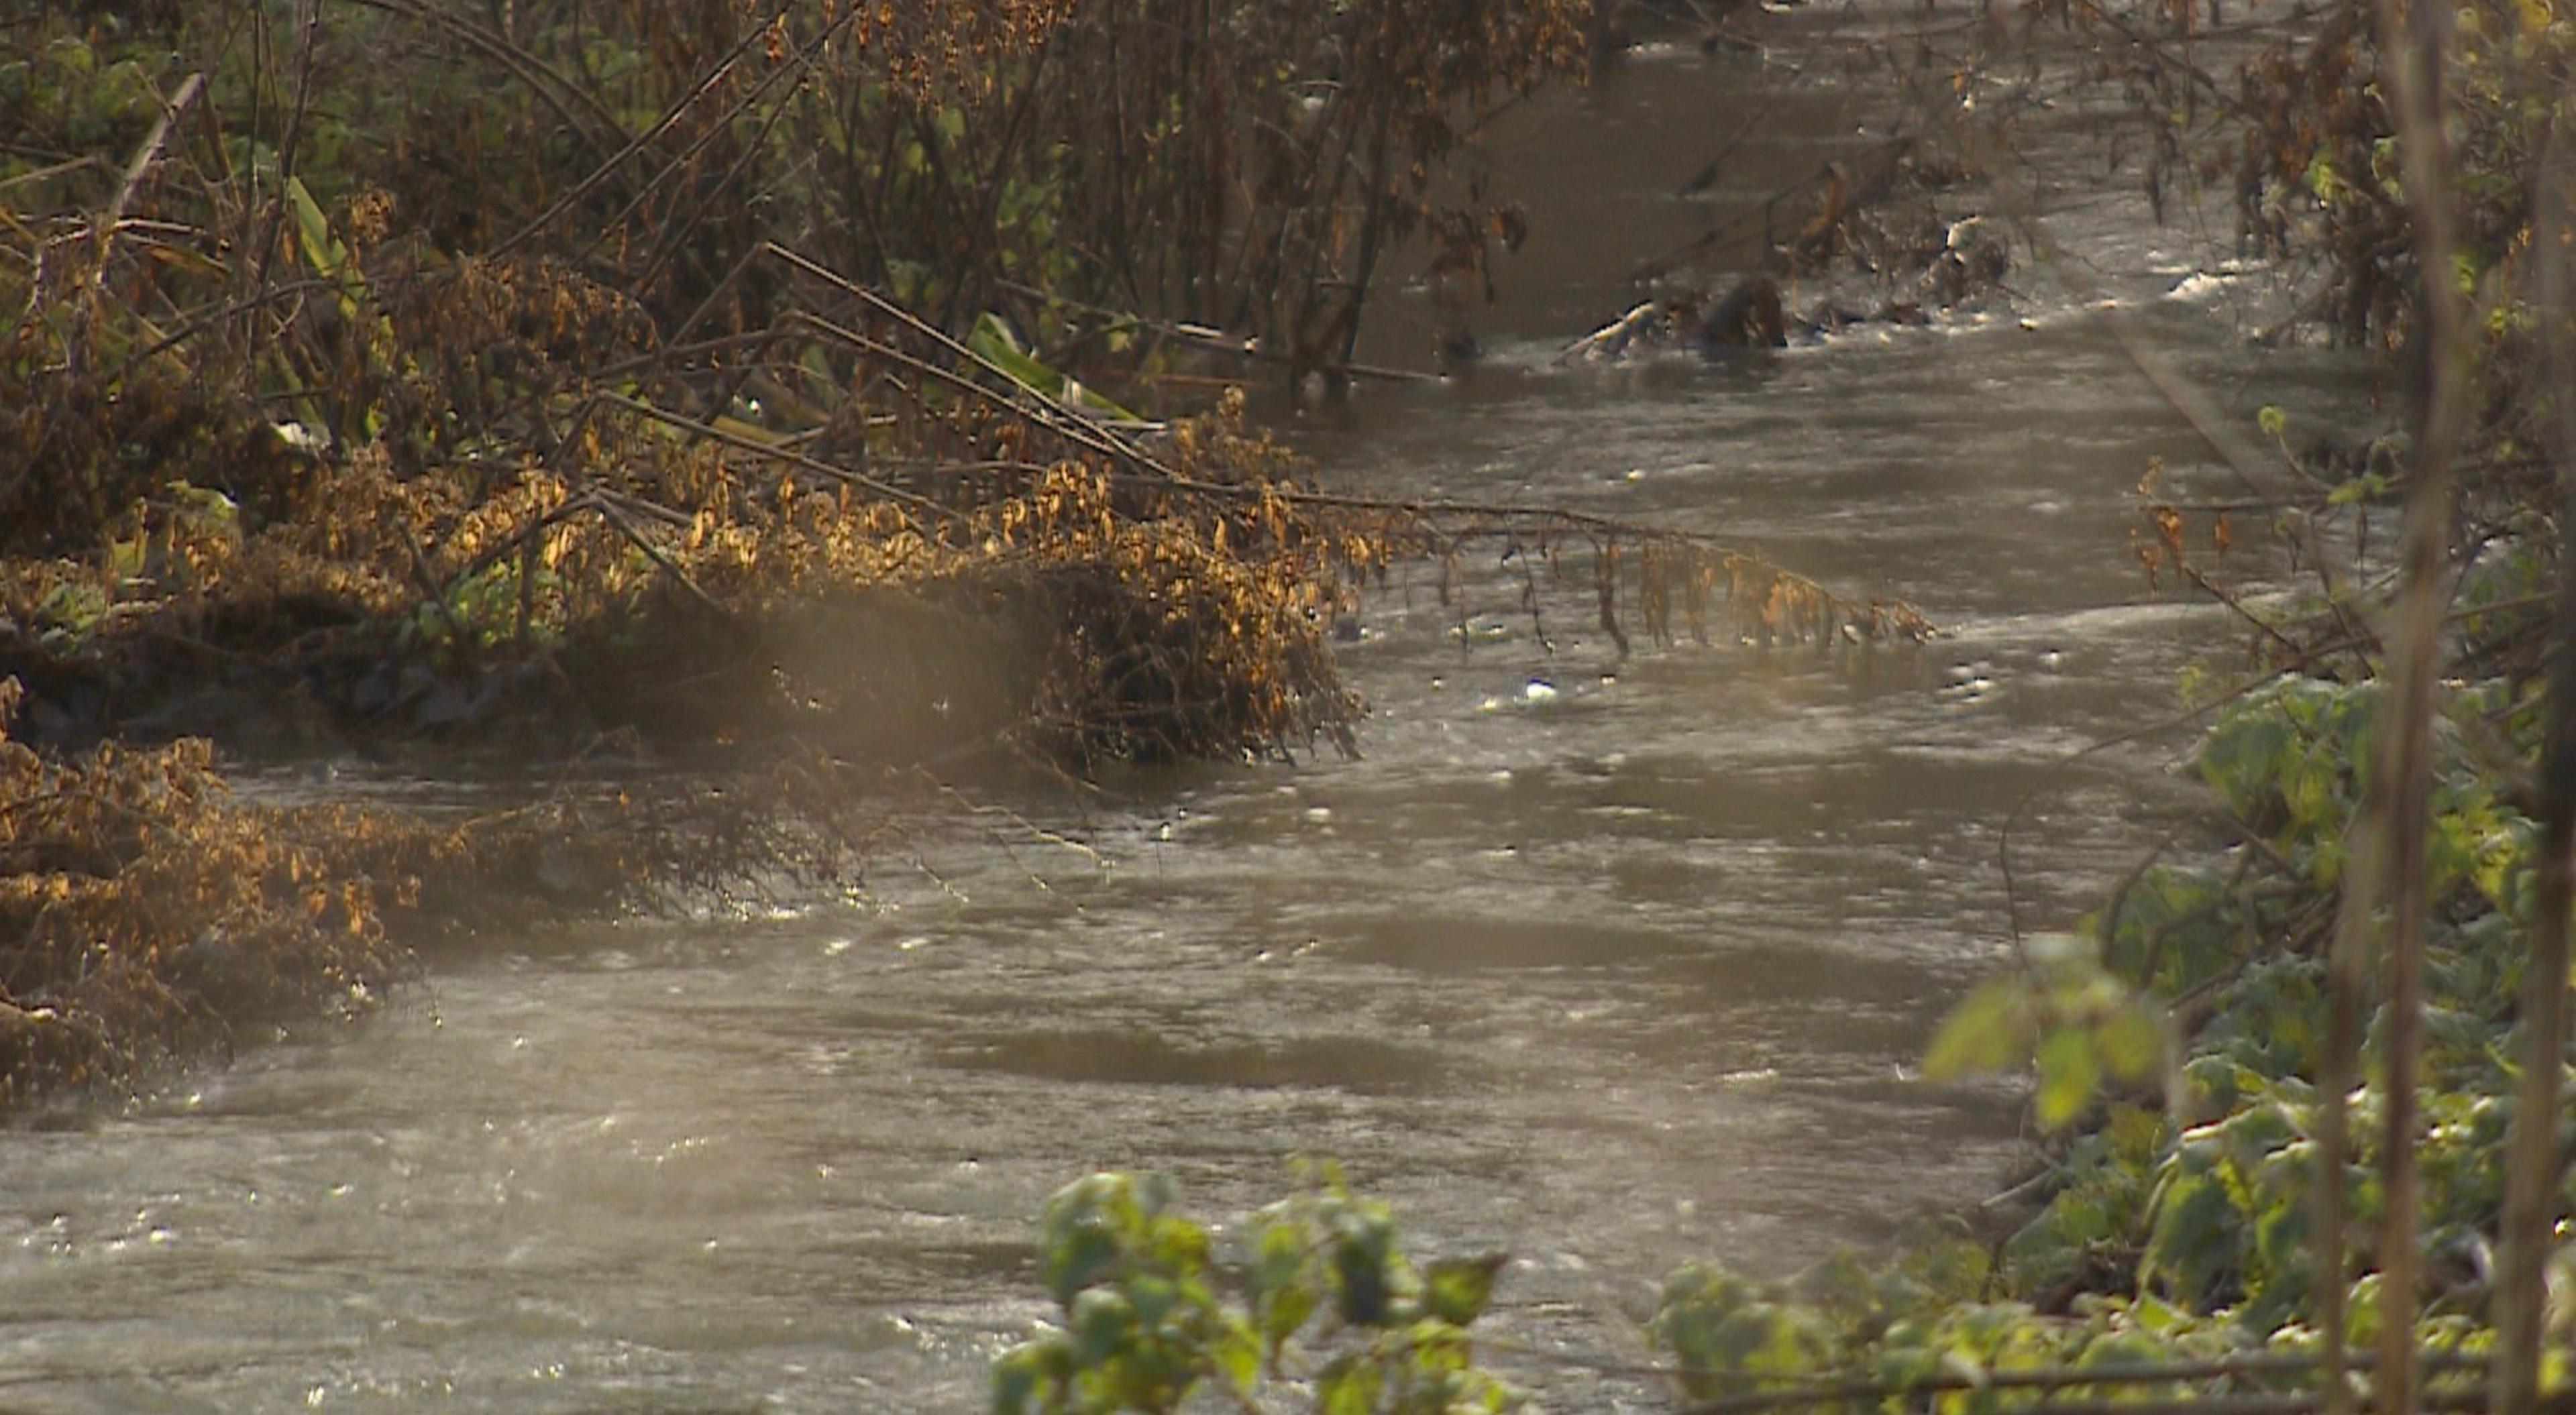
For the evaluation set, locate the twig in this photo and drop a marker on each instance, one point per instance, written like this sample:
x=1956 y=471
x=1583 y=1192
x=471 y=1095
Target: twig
x=2071 y=1378
x=216 y=318
x=146 y=155
x=642 y=542
x=57 y=169
x=601 y=173
x=787 y=455
x=550 y=87
x=103 y=227
x=2236 y=606
x=1055 y=413
x=1657 y=267
x=287 y=149
x=723 y=125
x=1215 y=338
x=2186 y=717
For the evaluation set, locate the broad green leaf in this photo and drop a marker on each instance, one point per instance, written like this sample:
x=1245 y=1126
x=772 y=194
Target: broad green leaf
x=323 y=253
x=2193 y=1236
x=1028 y=1374
x=992 y=340
x=1285 y=1310
x=1102 y=1321
x=1456 y=1289
x=1087 y=1223
x=1238 y=1354
x=2069 y=1074
x=1073 y=1263
x=1153 y=1298
x=1362 y=1286
x=1990 y=1031
x=1015 y=1388
x=1349 y=1386
x=2130 y=1043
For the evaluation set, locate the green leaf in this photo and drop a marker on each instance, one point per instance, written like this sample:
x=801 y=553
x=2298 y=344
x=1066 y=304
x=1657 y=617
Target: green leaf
x=1990 y=1031
x=2193 y=1238
x=1349 y=1386
x=2069 y=1074
x=2131 y=1043
x=1153 y=1298
x=1456 y=1289
x=312 y=232
x=2274 y=422
x=1238 y=1354
x=1082 y=1240
x=1029 y=1374
x=992 y=340
x=1361 y=1284
x=1015 y=1389
x=1102 y=1321
x=1285 y=1310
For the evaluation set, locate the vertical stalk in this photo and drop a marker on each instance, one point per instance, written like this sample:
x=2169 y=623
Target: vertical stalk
x=2338 y=1071
x=2405 y=749
x=309 y=33
x=2412 y=47
x=2531 y=1157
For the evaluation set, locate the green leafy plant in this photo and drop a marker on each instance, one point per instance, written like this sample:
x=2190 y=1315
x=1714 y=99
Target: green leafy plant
x=2065 y=1014
x=1331 y=1308
x=993 y=342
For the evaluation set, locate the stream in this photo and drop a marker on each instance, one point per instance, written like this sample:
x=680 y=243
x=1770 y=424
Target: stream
x=1609 y=963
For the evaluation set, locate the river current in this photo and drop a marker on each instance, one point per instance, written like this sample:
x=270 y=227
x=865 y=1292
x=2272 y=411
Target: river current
x=1609 y=963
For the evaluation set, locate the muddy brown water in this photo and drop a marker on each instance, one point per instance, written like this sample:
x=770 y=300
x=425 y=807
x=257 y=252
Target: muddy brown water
x=1609 y=964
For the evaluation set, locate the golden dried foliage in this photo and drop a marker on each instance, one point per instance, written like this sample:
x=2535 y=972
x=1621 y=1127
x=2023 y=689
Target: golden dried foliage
x=144 y=909
x=659 y=565
x=960 y=49
x=148 y=914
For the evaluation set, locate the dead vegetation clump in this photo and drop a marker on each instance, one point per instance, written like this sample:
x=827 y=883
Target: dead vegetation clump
x=856 y=539
x=465 y=403
x=146 y=910
x=848 y=529
x=150 y=913
x=292 y=472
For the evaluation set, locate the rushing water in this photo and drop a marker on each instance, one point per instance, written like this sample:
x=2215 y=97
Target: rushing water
x=1605 y=963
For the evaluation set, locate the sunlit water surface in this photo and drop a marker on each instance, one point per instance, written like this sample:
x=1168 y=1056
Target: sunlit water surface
x=1607 y=963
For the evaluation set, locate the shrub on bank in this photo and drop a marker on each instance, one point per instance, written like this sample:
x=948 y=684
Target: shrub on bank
x=145 y=910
